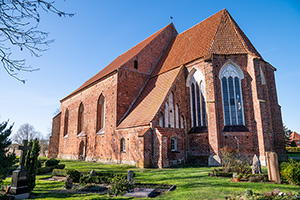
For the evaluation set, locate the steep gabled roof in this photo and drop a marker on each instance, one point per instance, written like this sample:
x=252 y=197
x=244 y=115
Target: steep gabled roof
x=218 y=34
x=119 y=61
x=294 y=136
x=150 y=100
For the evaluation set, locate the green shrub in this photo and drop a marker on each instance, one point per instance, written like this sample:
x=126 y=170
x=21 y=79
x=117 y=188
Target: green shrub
x=290 y=172
x=59 y=172
x=74 y=174
x=293 y=149
x=60 y=166
x=51 y=162
x=102 y=177
x=44 y=170
x=120 y=185
x=223 y=174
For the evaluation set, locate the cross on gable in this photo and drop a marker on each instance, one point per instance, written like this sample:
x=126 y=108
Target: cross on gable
x=24 y=150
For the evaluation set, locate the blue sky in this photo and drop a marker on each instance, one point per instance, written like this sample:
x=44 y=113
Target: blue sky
x=102 y=30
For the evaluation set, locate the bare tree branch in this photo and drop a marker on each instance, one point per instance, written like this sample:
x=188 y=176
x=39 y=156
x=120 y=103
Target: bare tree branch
x=19 y=20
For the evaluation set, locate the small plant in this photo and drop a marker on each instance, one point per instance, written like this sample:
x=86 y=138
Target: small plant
x=249 y=192
x=120 y=185
x=51 y=162
x=228 y=156
x=74 y=174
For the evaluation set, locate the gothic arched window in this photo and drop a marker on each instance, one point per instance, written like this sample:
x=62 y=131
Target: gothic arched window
x=197 y=95
x=123 y=145
x=171 y=109
x=166 y=115
x=231 y=76
x=80 y=119
x=161 y=119
x=66 y=122
x=100 y=113
x=177 y=113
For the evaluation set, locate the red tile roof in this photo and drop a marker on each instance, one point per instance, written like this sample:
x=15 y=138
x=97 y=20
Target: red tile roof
x=148 y=103
x=218 y=34
x=119 y=61
x=294 y=136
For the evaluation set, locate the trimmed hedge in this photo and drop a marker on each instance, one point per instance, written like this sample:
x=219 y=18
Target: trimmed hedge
x=52 y=162
x=59 y=172
x=293 y=149
x=102 y=177
x=45 y=170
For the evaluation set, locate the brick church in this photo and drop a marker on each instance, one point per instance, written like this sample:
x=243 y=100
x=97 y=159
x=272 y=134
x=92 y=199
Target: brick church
x=174 y=98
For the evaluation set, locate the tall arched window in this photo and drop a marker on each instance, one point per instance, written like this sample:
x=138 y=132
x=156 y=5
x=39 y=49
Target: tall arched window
x=66 y=122
x=197 y=92
x=171 y=109
x=231 y=76
x=161 y=119
x=182 y=122
x=80 y=119
x=166 y=115
x=100 y=113
x=123 y=145
x=177 y=113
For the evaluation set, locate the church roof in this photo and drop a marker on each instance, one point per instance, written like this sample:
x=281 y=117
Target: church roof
x=148 y=103
x=119 y=61
x=218 y=34
x=294 y=136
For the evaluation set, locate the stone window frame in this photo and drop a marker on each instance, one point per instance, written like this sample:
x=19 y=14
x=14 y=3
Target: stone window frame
x=174 y=144
x=196 y=83
x=100 y=118
x=123 y=145
x=66 y=124
x=233 y=71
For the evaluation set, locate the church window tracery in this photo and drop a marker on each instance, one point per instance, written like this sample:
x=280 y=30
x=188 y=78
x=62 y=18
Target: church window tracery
x=231 y=76
x=197 y=95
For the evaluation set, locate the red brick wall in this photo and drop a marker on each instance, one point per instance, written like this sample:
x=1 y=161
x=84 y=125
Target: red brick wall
x=97 y=145
x=132 y=80
x=54 y=138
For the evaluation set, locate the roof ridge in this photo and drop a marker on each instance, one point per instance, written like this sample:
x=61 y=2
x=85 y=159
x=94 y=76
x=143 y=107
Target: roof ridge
x=213 y=15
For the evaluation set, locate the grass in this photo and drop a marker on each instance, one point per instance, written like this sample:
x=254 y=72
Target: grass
x=191 y=182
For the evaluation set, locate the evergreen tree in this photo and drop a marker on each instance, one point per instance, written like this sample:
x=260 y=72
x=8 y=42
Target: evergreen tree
x=6 y=158
x=31 y=163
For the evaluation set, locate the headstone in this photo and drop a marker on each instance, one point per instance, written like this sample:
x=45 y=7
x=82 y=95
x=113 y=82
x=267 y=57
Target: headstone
x=141 y=193
x=256 y=166
x=19 y=182
x=69 y=182
x=92 y=173
x=130 y=175
x=273 y=167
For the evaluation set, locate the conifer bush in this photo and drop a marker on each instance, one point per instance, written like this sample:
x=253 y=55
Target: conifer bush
x=31 y=163
x=7 y=159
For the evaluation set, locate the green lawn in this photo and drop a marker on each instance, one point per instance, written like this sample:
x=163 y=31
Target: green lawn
x=192 y=183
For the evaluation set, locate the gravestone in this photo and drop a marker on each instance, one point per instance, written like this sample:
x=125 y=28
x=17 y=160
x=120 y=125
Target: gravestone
x=19 y=182
x=69 y=182
x=256 y=166
x=92 y=173
x=130 y=176
x=273 y=167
